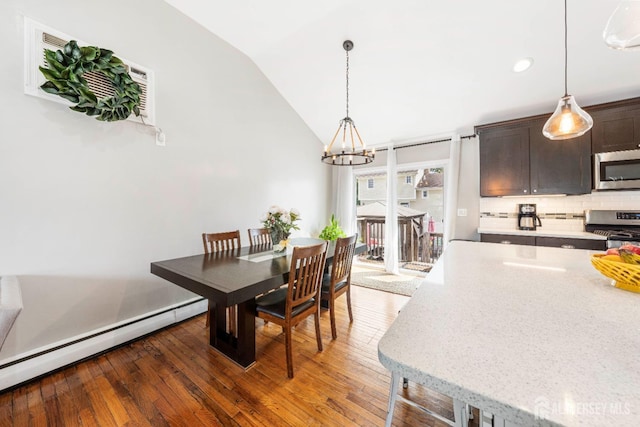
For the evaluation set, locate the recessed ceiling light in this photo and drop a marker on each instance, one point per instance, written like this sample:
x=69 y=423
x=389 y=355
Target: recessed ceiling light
x=522 y=65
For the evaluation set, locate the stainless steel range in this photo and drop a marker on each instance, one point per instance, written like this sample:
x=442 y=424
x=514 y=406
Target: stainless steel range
x=620 y=227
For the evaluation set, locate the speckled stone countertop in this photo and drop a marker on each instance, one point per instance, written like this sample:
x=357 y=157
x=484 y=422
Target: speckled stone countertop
x=532 y=334
x=543 y=233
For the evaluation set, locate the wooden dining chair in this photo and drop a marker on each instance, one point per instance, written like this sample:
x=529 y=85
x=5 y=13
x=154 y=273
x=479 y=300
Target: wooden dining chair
x=289 y=305
x=216 y=242
x=338 y=282
x=259 y=236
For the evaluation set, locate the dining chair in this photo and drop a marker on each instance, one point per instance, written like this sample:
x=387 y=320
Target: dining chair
x=289 y=305
x=259 y=236
x=338 y=282
x=217 y=242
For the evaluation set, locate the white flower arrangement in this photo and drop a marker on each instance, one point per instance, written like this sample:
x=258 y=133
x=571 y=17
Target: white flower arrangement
x=281 y=221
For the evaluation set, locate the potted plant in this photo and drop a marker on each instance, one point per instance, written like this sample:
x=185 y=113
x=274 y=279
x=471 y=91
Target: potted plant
x=332 y=231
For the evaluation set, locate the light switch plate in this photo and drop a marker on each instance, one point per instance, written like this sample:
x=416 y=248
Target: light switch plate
x=462 y=212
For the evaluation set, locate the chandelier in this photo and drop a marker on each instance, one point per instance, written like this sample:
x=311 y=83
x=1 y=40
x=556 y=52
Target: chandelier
x=348 y=154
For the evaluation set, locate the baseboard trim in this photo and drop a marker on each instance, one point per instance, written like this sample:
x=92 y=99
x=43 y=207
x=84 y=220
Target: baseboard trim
x=26 y=367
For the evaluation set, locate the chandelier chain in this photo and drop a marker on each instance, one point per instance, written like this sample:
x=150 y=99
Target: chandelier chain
x=347 y=73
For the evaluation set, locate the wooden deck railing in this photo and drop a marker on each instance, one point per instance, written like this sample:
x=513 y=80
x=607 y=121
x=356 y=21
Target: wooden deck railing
x=413 y=244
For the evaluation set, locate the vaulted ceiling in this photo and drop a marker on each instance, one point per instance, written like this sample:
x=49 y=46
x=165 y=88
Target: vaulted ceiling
x=422 y=68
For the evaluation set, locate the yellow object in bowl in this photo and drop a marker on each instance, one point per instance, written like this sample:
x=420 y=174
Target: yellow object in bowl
x=626 y=276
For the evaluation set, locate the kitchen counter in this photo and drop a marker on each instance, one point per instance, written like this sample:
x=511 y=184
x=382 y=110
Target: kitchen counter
x=543 y=233
x=533 y=335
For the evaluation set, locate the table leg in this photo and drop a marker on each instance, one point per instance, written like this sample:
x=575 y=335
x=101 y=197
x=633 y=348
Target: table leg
x=241 y=346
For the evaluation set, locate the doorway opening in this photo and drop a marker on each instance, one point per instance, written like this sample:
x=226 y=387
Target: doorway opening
x=420 y=200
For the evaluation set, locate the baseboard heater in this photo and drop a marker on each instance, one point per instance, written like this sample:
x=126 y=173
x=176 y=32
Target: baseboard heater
x=25 y=367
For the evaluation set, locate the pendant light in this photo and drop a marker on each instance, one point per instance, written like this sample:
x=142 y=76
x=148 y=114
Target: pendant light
x=568 y=120
x=348 y=154
x=623 y=27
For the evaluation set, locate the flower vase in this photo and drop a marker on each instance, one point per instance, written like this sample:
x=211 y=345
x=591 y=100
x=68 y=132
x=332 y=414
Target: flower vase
x=280 y=239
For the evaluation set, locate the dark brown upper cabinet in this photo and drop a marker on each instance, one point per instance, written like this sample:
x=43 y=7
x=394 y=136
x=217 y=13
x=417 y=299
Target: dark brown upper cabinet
x=517 y=160
x=616 y=126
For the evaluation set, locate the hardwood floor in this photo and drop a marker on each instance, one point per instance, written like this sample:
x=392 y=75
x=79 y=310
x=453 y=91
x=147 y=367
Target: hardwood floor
x=173 y=378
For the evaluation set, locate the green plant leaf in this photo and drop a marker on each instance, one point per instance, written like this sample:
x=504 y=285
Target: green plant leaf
x=89 y=53
x=50 y=74
x=88 y=94
x=49 y=87
x=68 y=97
x=105 y=55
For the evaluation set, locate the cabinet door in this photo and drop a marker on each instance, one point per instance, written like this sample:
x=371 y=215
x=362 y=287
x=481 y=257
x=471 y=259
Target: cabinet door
x=504 y=161
x=558 y=242
x=616 y=129
x=508 y=239
x=559 y=167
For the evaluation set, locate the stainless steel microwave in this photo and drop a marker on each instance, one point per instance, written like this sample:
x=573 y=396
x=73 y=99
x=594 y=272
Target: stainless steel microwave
x=618 y=170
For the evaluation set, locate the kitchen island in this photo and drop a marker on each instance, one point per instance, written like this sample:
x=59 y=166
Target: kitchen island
x=533 y=335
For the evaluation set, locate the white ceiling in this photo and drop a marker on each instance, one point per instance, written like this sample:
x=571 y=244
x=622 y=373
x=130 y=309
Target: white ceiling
x=421 y=68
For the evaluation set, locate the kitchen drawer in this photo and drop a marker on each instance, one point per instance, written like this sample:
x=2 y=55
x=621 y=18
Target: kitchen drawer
x=558 y=242
x=508 y=239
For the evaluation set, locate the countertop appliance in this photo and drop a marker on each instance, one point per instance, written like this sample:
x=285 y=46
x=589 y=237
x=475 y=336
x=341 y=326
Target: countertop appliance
x=618 y=170
x=527 y=218
x=621 y=227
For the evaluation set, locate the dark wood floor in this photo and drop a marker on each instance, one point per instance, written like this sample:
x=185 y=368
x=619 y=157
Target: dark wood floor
x=174 y=378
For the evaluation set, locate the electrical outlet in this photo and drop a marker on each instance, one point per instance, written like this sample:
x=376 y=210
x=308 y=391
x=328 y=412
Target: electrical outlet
x=160 y=138
x=462 y=212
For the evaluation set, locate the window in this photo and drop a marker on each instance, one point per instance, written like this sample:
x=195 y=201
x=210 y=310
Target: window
x=425 y=194
x=370 y=183
x=408 y=179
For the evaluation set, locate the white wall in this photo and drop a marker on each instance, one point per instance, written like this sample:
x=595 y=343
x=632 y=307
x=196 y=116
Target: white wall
x=85 y=206
x=468 y=190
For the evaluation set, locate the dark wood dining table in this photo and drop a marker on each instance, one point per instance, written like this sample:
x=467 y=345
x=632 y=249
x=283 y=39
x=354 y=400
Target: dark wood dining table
x=234 y=277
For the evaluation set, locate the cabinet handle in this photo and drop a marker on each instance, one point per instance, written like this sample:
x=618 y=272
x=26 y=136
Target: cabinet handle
x=524 y=191
x=535 y=191
x=505 y=242
x=568 y=246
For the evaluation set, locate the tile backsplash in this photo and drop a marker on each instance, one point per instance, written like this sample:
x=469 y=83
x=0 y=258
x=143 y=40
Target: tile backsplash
x=562 y=213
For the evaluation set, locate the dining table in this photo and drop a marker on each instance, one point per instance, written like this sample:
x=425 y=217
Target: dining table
x=234 y=278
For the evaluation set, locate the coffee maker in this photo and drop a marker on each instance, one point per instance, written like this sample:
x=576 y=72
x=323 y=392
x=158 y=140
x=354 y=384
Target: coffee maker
x=527 y=218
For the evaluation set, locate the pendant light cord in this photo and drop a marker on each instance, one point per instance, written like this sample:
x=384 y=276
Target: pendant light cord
x=566 y=92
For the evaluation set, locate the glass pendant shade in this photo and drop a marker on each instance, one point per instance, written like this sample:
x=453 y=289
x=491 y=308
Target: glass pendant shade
x=567 y=121
x=623 y=28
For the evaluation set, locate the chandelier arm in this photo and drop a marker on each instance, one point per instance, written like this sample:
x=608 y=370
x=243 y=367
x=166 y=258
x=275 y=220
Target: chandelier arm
x=353 y=143
x=344 y=134
x=358 y=134
x=334 y=137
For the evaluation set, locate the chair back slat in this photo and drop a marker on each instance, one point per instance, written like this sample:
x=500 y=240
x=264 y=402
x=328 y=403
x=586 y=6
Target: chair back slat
x=305 y=276
x=217 y=242
x=343 y=259
x=259 y=236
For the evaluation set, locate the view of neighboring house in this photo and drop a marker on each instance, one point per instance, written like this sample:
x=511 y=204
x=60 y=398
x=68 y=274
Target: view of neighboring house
x=420 y=189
